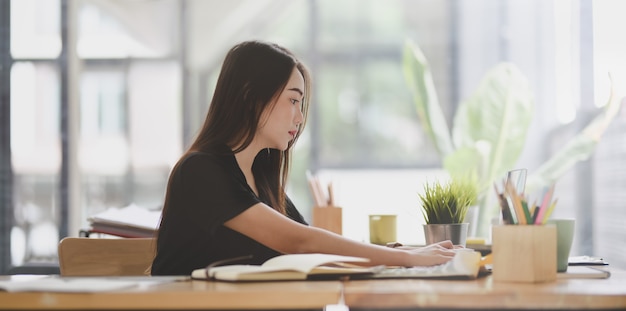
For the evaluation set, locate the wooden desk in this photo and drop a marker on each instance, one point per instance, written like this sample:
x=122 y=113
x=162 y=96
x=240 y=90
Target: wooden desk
x=477 y=294
x=184 y=295
x=484 y=293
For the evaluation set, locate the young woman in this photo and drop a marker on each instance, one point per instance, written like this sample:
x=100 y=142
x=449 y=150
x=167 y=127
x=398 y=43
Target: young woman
x=226 y=195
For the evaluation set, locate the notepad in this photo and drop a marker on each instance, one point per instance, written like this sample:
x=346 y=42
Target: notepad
x=583 y=272
x=586 y=261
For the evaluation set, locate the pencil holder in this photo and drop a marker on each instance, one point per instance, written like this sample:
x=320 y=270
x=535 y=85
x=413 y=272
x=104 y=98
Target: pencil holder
x=329 y=218
x=524 y=253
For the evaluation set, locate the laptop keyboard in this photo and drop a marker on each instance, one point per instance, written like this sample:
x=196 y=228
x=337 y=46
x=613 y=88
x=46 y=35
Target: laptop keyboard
x=465 y=263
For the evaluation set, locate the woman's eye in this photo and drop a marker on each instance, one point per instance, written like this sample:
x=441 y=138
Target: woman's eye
x=294 y=101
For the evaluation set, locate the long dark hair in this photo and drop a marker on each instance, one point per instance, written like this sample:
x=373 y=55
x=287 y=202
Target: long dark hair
x=253 y=74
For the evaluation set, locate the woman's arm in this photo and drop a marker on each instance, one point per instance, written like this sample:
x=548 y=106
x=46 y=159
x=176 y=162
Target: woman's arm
x=265 y=225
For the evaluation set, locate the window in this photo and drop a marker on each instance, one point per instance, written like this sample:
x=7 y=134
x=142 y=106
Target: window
x=35 y=147
x=36 y=157
x=146 y=70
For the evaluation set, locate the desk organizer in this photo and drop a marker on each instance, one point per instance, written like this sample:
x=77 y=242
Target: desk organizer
x=329 y=218
x=524 y=253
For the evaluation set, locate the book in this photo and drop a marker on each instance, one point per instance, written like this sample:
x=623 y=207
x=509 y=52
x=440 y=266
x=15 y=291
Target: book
x=584 y=272
x=290 y=267
x=586 y=261
x=466 y=264
x=124 y=231
x=130 y=222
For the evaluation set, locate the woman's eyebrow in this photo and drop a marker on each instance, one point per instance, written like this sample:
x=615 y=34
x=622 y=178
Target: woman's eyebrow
x=297 y=90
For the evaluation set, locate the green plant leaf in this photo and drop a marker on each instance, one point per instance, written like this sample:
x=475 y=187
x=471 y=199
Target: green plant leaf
x=578 y=149
x=447 y=203
x=470 y=161
x=490 y=130
x=493 y=122
x=420 y=82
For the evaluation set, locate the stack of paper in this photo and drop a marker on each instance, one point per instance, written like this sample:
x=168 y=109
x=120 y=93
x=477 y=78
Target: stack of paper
x=130 y=222
x=77 y=285
x=30 y=283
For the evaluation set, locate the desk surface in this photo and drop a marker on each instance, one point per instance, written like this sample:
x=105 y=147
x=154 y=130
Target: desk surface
x=482 y=293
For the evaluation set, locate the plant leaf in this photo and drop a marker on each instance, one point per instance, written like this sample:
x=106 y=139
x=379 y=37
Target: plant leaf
x=578 y=149
x=420 y=82
x=494 y=122
x=490 y=129
x=470 y=161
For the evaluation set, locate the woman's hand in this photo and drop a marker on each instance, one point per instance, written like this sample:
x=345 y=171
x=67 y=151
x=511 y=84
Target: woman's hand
x=432 y=254
x=446 y=244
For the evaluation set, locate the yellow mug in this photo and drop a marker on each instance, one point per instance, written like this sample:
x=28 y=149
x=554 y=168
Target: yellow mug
x=383 y=229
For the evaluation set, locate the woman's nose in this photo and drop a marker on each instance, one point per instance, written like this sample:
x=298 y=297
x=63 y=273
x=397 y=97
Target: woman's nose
x=299 y=117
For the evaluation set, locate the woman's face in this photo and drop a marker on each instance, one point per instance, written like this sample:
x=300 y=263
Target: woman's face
x=280 y=121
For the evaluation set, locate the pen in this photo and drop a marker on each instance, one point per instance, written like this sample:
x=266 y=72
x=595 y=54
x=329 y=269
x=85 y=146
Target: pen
x=507 y=219
x=534 y=211
x=316 y=192
x=331 y=194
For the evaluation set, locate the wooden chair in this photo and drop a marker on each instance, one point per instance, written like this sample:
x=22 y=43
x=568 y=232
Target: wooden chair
x=106 y=257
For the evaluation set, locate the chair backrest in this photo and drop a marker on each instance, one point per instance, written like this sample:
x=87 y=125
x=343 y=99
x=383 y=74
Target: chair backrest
x=106 y=257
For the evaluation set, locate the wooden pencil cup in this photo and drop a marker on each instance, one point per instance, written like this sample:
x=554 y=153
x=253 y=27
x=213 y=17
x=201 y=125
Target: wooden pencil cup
x=329 y=218
x=524 y=253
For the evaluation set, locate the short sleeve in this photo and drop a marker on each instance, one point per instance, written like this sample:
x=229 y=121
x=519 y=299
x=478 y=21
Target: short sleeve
x=206 y=190
x=214 y=190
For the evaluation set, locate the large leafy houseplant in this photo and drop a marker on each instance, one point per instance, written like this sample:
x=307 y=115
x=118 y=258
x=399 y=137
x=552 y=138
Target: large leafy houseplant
x=490 y=127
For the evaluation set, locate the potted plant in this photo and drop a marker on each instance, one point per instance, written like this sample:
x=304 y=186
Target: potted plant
x=489 y=129
x=444 y=206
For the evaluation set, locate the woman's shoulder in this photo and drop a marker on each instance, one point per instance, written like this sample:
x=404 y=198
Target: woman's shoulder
x=196 y=158
x=207 y=159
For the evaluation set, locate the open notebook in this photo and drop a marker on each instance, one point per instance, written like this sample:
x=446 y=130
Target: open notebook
x=465 y=264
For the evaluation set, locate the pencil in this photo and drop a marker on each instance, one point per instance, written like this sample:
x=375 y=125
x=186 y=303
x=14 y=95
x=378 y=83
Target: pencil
x=318 y=197
x=529 y=219
x=331 y=194
x=549 y=212
x=515 y=200
x=544 y=206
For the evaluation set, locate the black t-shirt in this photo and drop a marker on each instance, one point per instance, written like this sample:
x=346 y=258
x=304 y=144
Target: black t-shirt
x=206 y=190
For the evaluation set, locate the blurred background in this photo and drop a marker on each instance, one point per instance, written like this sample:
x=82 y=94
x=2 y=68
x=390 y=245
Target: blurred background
x=99 y=98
